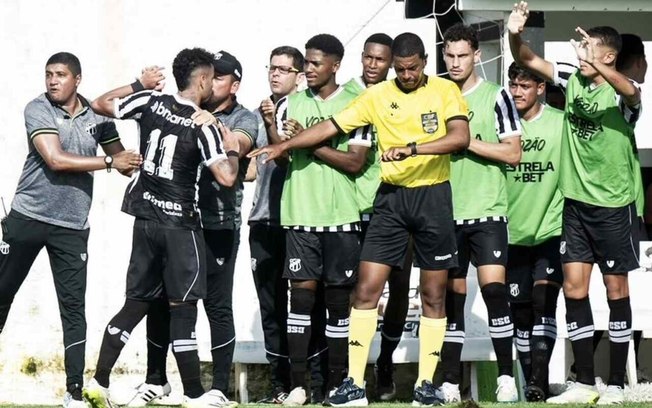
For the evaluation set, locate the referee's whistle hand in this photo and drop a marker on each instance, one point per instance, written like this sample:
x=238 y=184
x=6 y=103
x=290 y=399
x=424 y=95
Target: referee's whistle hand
x=396 y=154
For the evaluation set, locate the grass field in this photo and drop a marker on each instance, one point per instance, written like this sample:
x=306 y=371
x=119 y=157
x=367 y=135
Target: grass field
x=406 y=404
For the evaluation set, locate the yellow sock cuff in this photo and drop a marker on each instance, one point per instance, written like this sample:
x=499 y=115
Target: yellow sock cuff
x=364 y=313
x=430 y=322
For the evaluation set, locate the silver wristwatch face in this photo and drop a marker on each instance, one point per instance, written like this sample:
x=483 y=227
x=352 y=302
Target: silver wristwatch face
x=108 y=160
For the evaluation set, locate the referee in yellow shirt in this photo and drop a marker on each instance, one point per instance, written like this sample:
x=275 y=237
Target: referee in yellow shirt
x=420 y=120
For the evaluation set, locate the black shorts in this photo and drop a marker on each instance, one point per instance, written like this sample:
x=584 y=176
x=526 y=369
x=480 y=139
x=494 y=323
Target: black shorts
x=426 y=213
x=639 y=231
x=480 y=243
x=166 y=261
x=528 y=264
x=331 y=257
x=602 y=235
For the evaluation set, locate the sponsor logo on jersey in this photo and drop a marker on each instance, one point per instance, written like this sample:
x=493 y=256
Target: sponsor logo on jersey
x=550 y=271
x=531 y=172
x=348 y=273
x=295 y=264
x=429 y=122
x=161 y=110
x=91 y=128
x=254 y=263
x=113 y=330
x=562 y=247
x=83 y=256
x=497 y=254
x=166 y=206
x=4 y=248
x=355 y=343
x=610 y=263
x=220 y=261
x=513 y=289
x=393 y=106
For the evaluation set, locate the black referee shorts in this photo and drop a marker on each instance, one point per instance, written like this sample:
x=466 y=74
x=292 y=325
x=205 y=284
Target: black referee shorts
x=602 y=235
x=426 y=213
x=166 y=260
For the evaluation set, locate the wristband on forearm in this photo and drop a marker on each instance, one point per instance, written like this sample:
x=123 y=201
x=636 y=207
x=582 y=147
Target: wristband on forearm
x=137 y=86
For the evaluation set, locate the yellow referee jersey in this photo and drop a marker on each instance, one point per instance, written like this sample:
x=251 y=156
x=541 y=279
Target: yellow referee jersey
x=400 y=118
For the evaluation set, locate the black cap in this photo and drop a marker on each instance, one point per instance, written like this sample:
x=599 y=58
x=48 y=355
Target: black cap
x=227 y=64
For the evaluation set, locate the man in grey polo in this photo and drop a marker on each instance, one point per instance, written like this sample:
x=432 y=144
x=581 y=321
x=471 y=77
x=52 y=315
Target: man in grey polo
x=52 y=201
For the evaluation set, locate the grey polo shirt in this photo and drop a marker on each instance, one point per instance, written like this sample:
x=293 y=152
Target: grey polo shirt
x=269 y=184
x=221 y=206
x=60 y=198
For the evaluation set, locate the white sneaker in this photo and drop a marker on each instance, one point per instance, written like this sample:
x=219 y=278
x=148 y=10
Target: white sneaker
x=296 y=397
x=450 y=392
x=209 y=399
x=149 y=394
x=70 y=402
x=576 y=393
x=506 y=390
x=96 y=395
x=612 y=395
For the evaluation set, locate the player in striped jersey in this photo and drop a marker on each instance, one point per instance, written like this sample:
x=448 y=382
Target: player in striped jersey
x=168 y=254
x=535 y=203
x=602 y=107
x=480 y=210
x=319 y=209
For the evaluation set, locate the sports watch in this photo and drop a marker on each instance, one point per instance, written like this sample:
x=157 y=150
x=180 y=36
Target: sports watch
x=108 y=160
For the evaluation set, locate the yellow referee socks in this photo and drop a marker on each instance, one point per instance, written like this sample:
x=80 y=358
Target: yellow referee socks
x=362 y=326
x=431 y=338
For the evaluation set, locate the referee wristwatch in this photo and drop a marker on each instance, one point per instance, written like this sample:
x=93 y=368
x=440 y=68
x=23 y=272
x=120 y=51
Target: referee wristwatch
x=413 y=148
x=108 y=161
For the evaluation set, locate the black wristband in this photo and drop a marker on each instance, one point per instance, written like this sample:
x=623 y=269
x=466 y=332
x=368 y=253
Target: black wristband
x=232 y=153
x=136 y=86
x=413 y=148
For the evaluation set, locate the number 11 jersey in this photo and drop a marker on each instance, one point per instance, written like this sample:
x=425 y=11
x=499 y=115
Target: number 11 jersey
x=173 y=149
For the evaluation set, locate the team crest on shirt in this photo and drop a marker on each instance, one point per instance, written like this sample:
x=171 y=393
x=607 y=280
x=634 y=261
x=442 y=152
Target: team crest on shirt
x=513 y=289
x=4 y=248
x=295 y=264
x=429 y=122
x=91 y=128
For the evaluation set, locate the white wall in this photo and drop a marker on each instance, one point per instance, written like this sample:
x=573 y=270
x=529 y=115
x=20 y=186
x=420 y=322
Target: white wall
x=114 y=39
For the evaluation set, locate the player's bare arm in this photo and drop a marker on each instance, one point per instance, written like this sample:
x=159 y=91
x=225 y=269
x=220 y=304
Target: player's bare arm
x=226 y=171
x=268 y=112
x=585 y=50
x=151 y=78
x=350 y=161
x=49 y=147
x=507 y=151
x=522 y=53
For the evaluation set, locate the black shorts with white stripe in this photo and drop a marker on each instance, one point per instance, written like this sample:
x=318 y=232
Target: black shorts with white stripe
x=331 y=257
x=166 y=260
x=602 y=235
x=480 y=242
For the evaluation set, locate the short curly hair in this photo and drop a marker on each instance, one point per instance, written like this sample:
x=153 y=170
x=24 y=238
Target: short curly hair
x=326 y=43
x=185 y=63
